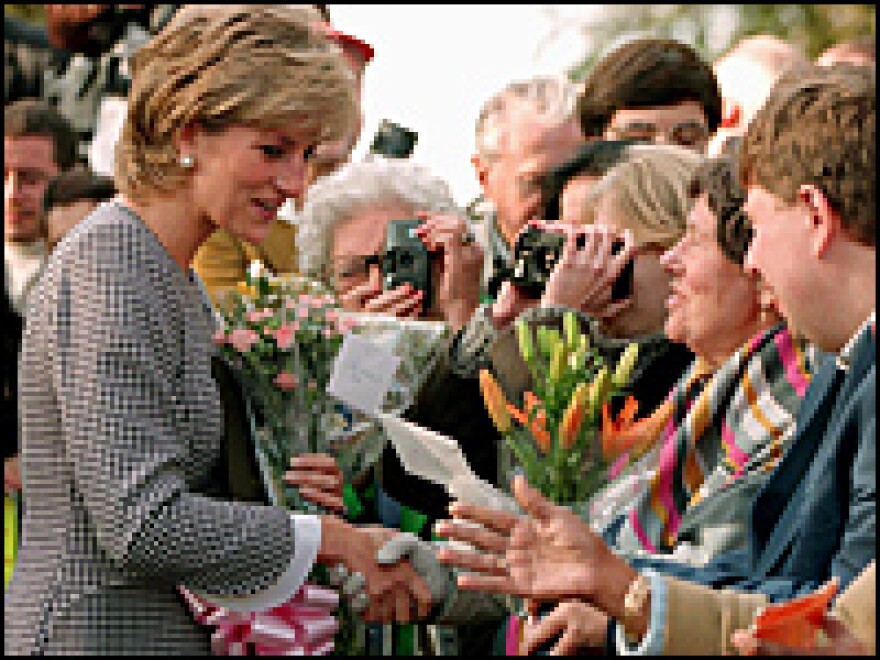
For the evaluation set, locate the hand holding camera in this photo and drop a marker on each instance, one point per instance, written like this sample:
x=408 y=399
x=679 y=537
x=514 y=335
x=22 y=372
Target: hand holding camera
x=403 y=301
x=460 y=265
x=592 y=273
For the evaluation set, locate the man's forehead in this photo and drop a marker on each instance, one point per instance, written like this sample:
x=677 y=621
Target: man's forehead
x=688 y=110
x=34 y=150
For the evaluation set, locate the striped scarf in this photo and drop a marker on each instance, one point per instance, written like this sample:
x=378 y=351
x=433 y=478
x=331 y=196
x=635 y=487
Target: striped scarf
x=721 y=426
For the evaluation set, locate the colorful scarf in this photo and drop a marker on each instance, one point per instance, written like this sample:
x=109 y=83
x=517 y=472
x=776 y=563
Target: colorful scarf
x=722 y=425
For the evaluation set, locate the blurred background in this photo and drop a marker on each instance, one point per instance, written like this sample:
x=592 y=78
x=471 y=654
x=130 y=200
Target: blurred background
x=436 y=64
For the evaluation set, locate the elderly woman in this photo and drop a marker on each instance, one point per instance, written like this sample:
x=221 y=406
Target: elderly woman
x=121 y=420
x=726 y=422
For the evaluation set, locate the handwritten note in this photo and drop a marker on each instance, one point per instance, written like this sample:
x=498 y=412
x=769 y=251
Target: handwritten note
x=362 y=374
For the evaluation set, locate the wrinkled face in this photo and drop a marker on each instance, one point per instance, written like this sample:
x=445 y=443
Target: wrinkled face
x=64 y=217
x=711 y=299
x=781 y=254
x=684 y=124
x=28 y=165
x=359 y=237
x=242 y=175
x=512 y=180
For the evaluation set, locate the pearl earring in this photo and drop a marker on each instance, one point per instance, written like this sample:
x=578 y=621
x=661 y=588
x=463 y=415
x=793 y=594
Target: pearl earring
x=187 y=162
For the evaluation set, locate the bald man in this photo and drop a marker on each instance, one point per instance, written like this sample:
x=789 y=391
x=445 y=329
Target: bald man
x=746 y=74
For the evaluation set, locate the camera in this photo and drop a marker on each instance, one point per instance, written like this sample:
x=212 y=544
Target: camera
x=406 y=259
x=393 y=140
x=536 y=254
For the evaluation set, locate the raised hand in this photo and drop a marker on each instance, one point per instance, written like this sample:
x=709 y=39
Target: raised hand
x=319 y=480
x=549 y=554
x=402 y=301
x=584 y=276
x=578 y=625
x=458 y=289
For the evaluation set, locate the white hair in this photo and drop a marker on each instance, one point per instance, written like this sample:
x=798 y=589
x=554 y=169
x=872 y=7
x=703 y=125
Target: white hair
x=552 y=98
x=747 y=72
x=356 y=187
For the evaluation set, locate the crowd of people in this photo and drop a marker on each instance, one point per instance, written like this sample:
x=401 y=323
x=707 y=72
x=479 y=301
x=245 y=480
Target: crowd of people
x=739 y=196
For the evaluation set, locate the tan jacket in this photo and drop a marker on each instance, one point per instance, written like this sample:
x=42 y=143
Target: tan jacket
x=222 y=260
x=700 y=620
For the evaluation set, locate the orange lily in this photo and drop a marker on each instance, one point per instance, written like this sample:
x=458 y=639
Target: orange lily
x=573 y=416
x=493 y=399
x=624 y=433
x=538 y=426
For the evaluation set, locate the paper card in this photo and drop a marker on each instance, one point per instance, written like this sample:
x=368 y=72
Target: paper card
x=362 y=374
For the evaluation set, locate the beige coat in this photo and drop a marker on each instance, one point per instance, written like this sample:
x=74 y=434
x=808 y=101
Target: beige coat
x=222 y=260
x=700 y=620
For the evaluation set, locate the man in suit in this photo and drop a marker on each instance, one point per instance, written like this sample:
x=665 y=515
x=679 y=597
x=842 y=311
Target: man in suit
x=37 y=144
x=808 y=167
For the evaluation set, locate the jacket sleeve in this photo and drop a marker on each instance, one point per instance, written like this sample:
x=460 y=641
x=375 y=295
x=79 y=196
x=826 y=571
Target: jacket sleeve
x=121 y=421
x=700 y=620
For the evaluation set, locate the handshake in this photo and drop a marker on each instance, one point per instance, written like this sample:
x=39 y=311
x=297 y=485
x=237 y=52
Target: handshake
x=402 y=582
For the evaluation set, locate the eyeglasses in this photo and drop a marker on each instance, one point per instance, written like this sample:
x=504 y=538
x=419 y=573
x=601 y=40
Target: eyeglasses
x=685 y=134
x=355 y=265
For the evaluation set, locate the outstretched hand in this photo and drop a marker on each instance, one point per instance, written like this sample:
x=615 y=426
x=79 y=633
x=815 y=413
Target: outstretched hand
x=548 y=554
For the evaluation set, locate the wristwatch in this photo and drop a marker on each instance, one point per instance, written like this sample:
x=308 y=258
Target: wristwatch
x=634 y=604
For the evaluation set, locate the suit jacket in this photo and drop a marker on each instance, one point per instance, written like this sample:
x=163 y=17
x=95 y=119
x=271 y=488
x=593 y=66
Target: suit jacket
x=121 y=444
x=700 y=621
x=222 y=261
x=815 y=517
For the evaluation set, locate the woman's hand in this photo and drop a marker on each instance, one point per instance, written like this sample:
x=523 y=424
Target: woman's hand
x=840 y=642
x=458 y=288
x=580 y=626
x=389 y=593
x=584 y=276
x=319 y=480
x=402 y=301
x=547 y=555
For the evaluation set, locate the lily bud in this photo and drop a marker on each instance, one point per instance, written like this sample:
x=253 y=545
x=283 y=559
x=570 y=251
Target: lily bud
x=524 y=337
x=625 y=365
x=570 y=330
x=493 y=399
x=557 y=362
x=599 y=388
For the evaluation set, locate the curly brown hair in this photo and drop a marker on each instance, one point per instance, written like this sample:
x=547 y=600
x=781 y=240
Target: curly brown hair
x=818 y=127
x=717 y=178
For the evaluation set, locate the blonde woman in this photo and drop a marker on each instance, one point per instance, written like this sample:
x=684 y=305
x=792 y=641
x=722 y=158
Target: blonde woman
x=121 y=420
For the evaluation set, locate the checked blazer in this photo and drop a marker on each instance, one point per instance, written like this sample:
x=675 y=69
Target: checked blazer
x=121 y=440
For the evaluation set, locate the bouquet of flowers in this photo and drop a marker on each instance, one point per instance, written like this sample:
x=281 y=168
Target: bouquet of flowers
x=564 y=436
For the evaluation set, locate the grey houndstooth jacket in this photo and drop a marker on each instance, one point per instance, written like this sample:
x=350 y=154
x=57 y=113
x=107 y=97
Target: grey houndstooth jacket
x=121 y=428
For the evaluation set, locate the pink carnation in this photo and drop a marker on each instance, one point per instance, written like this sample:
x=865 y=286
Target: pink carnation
x=303 y=312
x=304 y=299
x=219 y=338
x=284 y=336
x=258 y=315
x=332 y=316
x=242 y=339
x=286 y=381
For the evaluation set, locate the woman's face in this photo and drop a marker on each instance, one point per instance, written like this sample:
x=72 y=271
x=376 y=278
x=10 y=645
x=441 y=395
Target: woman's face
x=242 y=175
x=650 y=282
x=360 y=236
x=713 y=304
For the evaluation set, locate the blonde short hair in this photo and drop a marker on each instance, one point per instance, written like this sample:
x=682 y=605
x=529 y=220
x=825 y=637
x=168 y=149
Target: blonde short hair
x=649 y=191
x=360 y=186
x=223 y=65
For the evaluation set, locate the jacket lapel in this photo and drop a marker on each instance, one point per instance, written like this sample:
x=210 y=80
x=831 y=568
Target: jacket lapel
x=776 y=518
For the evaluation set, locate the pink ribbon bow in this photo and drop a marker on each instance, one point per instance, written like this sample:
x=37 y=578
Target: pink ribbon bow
x=304 y=625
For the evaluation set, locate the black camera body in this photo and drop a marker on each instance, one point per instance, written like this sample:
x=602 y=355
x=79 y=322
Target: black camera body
x=393 y=140
x=536 y=254
x=406 y=259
